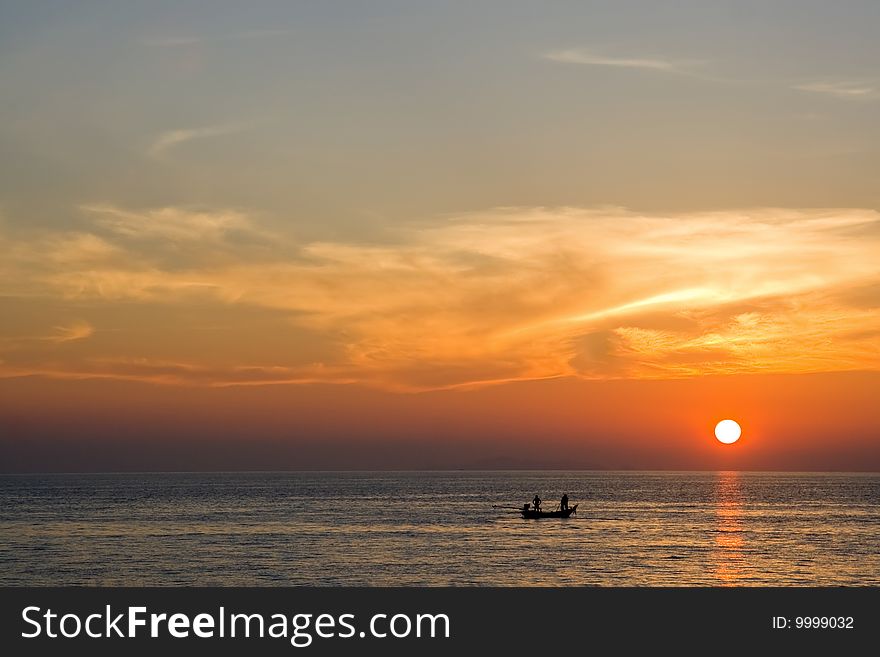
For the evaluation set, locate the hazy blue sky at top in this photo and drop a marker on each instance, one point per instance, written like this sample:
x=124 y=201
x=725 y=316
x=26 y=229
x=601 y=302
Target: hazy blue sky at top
x=338 y=119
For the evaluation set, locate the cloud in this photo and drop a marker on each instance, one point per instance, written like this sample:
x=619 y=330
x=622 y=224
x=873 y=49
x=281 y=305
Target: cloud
x=851 y=89
x=169 y=223
x=846 y=90
x=173 y=138
x=588 y=58
x=78 y=330
x=70 y=332
x=162 y=372
x=484 y=297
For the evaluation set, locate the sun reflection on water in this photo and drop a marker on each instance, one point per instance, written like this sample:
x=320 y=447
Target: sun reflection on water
x=729 y=542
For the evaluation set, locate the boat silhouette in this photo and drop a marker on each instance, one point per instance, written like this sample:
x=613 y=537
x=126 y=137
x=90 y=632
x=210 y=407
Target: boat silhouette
x=528 y=512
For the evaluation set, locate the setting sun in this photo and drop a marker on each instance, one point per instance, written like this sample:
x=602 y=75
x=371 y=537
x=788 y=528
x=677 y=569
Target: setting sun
x=727 y=431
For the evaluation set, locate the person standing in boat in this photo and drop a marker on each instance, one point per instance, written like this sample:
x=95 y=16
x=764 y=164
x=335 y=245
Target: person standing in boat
x=564 y=503
x=537 y=502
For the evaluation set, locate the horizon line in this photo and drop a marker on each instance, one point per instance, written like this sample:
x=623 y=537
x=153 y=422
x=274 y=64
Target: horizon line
x=432 y=470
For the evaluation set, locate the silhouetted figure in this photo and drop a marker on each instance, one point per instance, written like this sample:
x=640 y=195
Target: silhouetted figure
x=537 y=502
x=564 y=503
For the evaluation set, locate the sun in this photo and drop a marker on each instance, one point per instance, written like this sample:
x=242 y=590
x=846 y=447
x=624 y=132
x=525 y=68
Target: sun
x=727 y=431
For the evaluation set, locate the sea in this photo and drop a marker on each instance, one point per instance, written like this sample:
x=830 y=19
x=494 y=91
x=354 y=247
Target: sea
x=440 y=529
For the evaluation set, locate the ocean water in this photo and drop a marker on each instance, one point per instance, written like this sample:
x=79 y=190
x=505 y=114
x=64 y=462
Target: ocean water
x=439 y=528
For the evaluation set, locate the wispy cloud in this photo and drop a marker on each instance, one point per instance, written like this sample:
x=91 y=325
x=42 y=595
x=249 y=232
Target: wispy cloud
x=847 y=90
x=168 y=223
x=844 y=89
x=589 y=58
x=499 y=295
x=173 y=138
x=70 y=332
x=78 y=330
x=177 y=373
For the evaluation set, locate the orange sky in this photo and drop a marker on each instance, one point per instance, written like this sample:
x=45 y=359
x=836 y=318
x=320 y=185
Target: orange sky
x=564 y=337
x=302 y=236
x=790 y=422
x=202 y=298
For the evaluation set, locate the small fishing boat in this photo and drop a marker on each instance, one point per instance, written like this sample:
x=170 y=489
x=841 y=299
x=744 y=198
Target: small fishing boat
x=528 y=512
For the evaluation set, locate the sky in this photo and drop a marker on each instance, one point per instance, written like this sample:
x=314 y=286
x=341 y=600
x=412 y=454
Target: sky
x=439 y=235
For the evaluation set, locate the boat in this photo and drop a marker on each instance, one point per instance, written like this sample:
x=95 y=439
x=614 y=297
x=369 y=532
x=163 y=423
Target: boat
x=560 y=513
